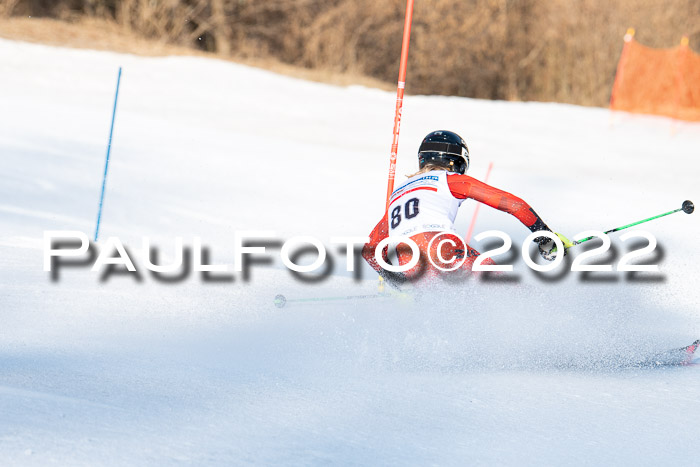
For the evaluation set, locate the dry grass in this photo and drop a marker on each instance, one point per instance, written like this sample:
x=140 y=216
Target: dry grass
x=86 y=33
x=96 y=34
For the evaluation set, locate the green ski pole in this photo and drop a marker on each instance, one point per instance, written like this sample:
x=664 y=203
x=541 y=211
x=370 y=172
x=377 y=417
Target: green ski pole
x=687 y=208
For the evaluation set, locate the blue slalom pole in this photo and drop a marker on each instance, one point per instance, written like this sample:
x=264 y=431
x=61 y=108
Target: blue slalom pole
x=109 y=147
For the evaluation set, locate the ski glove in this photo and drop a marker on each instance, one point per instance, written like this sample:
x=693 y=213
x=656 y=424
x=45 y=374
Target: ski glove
x=548 y=248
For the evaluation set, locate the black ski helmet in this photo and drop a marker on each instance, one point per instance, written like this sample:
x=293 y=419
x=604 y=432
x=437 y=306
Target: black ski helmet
x=444 y=148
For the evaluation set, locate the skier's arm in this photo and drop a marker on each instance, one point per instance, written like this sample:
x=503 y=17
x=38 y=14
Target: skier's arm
x=380 y=232
x=464 y=186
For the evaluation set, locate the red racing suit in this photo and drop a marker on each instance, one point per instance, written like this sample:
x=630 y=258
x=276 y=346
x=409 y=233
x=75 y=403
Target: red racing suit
x=426 y=205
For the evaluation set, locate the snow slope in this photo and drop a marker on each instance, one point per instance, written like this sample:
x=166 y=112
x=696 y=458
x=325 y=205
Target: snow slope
x=126 y=372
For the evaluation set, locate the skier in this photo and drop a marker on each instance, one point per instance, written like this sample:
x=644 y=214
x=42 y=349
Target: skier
x=425 y=206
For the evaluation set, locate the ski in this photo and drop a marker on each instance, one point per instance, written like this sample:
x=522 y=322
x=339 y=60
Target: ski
x=675 y=357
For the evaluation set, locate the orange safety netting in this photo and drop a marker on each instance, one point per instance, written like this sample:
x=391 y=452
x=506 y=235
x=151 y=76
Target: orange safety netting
x=658 y=81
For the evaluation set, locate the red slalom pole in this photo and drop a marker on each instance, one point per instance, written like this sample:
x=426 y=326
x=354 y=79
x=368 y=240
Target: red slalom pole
x=399 y=99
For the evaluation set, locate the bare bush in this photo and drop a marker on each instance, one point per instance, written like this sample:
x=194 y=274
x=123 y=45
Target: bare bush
x=558 y=50
x=7 y=7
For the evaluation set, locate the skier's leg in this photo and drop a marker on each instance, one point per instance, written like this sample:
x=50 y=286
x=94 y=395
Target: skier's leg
x=472 y=254
x=424 y=269
x=439 y=252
